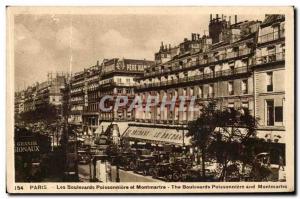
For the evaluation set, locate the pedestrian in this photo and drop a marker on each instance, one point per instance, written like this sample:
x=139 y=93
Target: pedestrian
x=281 y=163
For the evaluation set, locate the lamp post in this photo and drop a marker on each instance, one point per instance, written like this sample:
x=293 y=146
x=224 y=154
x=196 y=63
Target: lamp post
x=118 y=162
x=118 y=172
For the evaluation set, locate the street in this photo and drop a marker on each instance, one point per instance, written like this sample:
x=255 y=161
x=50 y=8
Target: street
x=125 y=176
x=84 y=172
x=130 y=176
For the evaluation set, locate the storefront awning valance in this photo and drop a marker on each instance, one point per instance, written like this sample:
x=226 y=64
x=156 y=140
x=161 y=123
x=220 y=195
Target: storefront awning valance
x=156 y=135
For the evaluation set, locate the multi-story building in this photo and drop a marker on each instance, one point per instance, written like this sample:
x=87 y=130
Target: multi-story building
x=77 y=101
x=50 y=91
x=29 y=98
x=239 y=65
x=269 y=76
x=215 y=67
x=91 y=93
x=19 y=102
x=118 y=79
x=41 y=94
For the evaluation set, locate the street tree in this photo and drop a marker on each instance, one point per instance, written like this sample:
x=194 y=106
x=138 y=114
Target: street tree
x=201 y=129
x=234 y=128
x=221 y=133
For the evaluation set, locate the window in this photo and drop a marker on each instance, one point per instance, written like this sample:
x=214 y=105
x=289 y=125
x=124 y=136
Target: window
x=230 y=106
x=211 y=90
x=270 y=81
x=278 y=114
x=231 y=66
x=271 y=54
x=245 y=86
x=200 y=92
x=244 y=107
x=183 y=92
x=230 y=88
x=276 y=31
x=212 y=69
x=274 y=114
x=244 y=62
x=191 y=91
x=270 y=112
x=119 y=90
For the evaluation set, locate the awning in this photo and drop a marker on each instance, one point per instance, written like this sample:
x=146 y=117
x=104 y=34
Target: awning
x=156 y=135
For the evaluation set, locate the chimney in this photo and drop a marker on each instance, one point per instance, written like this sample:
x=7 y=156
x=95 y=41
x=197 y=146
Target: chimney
x=198 y=35
x=162 y=45
x=217 y=16
x=210 y=17
x=97 y=62
x=222 y=17
x=169 y=46
x=235 y=18
x=229 y=20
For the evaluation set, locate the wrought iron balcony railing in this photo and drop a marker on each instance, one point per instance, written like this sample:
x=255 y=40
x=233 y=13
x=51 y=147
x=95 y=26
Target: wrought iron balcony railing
x=209 y=60
x=222 y=73
x=269 y=58
x=271 y=36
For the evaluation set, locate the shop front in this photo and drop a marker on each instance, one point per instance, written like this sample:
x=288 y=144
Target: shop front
x=156 y=135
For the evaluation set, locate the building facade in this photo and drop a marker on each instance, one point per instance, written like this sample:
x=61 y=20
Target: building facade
x=240 y=65
x=118 y=79
x=49 y=92
x=269 y=73
x=76 y=98
x=114 y=77
x=90 y=116
x=218 y=67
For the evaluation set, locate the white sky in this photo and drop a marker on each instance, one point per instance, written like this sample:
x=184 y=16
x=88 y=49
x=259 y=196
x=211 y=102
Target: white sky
x=42 y=42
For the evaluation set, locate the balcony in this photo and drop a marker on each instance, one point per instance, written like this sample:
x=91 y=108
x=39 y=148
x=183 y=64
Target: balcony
x=205 y=76
x=75 y=92
x=209 y=60
x=271 y=36
x=269 y=58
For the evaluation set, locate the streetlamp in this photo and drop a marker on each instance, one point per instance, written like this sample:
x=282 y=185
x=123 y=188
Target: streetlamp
x=118 y=161
x=118 y=172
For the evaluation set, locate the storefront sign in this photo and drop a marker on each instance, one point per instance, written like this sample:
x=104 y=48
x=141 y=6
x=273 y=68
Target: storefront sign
x=27 y=146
